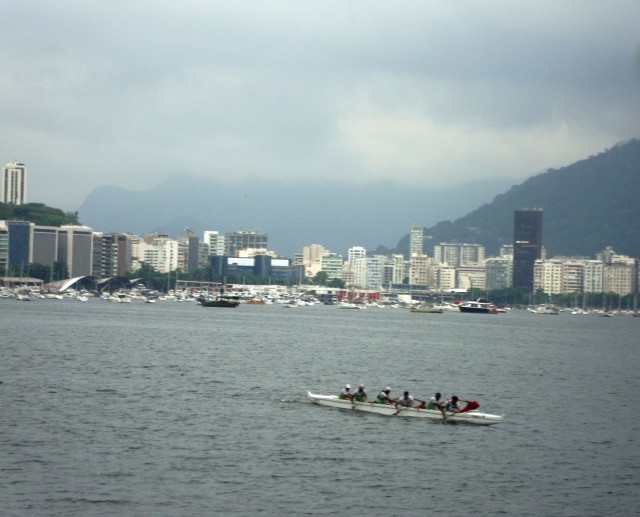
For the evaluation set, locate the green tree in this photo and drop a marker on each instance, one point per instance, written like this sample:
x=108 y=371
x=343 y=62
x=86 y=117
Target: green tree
x=336 y=282
x=40 y=271
x=60 y=271
x=320 y=278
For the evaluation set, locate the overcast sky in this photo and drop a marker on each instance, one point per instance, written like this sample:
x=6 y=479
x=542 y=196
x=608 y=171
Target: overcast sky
x=130 y=93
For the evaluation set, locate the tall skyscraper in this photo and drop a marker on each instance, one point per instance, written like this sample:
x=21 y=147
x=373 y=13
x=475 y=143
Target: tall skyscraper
x=527 y=247
x=416 y=241
x=14 y=184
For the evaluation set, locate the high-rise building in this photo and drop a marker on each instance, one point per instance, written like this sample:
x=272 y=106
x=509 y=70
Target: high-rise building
x=75 y=249
x=242 y=240
x=527 y=247
x=456 y=254
x=216 y=241
x=14 y=184
x=498 y=273
x=416 y=241
x=15 y=246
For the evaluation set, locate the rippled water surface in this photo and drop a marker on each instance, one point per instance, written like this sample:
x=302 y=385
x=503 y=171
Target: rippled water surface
x=175 y=409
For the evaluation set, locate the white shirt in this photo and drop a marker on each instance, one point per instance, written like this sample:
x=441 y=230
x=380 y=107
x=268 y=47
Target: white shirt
x=405 y=401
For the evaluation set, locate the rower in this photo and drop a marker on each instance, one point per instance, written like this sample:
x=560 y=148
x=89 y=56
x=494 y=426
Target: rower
x=360 y=395
x=346 y=392
x=384 y=397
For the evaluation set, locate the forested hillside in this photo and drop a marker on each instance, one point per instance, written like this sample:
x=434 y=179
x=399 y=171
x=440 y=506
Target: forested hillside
x=37 y=213
x=587 y=206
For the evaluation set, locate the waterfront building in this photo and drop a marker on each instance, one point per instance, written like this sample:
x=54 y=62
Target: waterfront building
x=356 y=252
x=4 y=248
x=445 y=277
x=548 y=276
x=18 y=246
x=244 y=239
x=399 y=269
x=311 y=255
x=592 y=274
x=188 y=247
x=75 y=249
x=368 y=272
x=259 y=265
x=619 y=278
x=216 y=241
x=375 y=272
x=527 y=247
x=331 y=264
x=471 y=276
x=13 y=187
x=421 y=270
x=572 y=277
x=416 y=241
x=456 y=254
x=105 y=255
x=160 y=252
x=498 y=272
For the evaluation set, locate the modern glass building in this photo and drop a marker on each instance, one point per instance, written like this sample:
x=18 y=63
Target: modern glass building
x=527 y=247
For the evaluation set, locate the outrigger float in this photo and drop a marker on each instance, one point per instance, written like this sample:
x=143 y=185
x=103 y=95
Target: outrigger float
x=468 y=417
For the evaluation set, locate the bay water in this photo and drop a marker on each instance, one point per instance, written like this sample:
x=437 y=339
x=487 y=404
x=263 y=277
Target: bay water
x=173 y=409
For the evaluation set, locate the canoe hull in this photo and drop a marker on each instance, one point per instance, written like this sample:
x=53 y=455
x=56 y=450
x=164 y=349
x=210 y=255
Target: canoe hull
x=471 y=417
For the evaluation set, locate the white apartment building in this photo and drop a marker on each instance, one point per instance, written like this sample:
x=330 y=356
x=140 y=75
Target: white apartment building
x=592 y=274
x=368 y=272
x=456 y=255
x=398 y=273
x=216 y=241
x=567 y=275
x=547 y=275
x=356 y=252
x=421 y=271
x=472 y=277
x=331 y=264
x=161 y=254
x=311 y=259
x=445 y=277
x=619 y=278
x=13 y=188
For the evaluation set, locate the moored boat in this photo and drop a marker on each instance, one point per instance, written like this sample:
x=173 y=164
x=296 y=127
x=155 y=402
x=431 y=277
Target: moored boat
x=219 y=301
x=480 y=306
x=427 y=309
x=469 y=417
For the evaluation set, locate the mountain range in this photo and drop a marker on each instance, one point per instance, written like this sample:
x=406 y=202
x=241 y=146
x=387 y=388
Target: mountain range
x=587 y=206
x=334 y=215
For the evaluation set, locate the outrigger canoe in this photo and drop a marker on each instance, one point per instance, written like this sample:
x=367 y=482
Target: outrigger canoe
x=469 y=417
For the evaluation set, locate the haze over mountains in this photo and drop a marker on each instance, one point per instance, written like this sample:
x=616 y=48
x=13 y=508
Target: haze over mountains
x=293 y=215
x=587 y=206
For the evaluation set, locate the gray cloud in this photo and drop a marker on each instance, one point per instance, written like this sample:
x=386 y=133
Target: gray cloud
x=96 y=93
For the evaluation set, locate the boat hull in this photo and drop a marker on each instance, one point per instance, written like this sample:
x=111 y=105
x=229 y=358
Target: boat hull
x=470 y=417
x=218 y=302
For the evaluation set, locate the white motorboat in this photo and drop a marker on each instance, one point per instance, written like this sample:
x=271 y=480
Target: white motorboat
x=545 y=309
x=469 y=417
